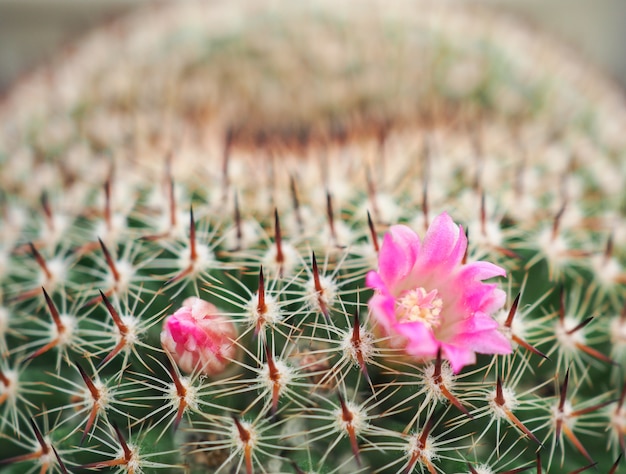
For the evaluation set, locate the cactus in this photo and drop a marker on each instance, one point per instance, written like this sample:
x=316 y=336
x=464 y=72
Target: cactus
x=230 y=242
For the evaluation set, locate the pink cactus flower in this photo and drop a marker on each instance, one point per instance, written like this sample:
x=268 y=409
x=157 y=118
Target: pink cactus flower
x=427 y=299
x=199 y=338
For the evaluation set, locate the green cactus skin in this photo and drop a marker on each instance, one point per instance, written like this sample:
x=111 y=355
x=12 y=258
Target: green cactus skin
x=253 y=154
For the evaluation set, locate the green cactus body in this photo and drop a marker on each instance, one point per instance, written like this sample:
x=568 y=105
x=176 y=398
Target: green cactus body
x=253 y=155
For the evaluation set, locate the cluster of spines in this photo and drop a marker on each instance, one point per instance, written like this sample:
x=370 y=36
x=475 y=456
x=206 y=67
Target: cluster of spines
x=308 y=354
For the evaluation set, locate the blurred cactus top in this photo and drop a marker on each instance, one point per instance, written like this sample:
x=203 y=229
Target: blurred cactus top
x=31 y=30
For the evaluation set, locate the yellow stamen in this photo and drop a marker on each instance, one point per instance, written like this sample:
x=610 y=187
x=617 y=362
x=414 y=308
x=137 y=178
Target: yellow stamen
x=420 y=305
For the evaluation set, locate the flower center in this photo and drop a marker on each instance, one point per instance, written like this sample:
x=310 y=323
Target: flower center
x=420 y=305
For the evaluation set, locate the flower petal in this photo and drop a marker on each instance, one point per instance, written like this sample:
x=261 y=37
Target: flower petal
x=397 y=256
x=421 y=341
x=480 y=271
x=494 y=301
x=444 y=245
x=458 y=356
x=477 y=295
x=483 y=297
x=198 y=332
x=374 y=281
x=382 y=307
x=463 y=324
x=482 y=335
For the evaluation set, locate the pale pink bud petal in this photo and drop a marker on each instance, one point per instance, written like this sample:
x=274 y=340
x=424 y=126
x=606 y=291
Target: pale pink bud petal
x=199 y=338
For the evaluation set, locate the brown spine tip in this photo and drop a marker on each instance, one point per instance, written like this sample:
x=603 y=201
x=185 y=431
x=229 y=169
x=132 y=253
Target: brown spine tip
x=556 y=224
x=356 y=330
x=261 y=306
x=580 y=325
x=348 y=417
x=295 y=202
x=238 y=229
x=128 y=454
x=278 y=240
x=4 y=379
x=466 y=254
x=499 y=399
x=561 y=405
x=45 y=449
x=245 y=437
x=297 y=468
x=616 y=464
x=110 y=261
x=193 y=255
x=114 y=314
x=119 y=461
x=122 y=328
x=421 y=445
x=172 y=206
x=563 y=393
x=591 y=409
x=528 y=347
x=438 y=380
x=517 y=422
x=587 y=349
x=59 y=461
x=517 y=470
x=274 y=377
x=330 y=215
x=356 y=344
x=373 y=235
x=512 y=311
x=508 y=324
x=47 y=210
x=318 y=287
x=107 y=203
x=437 y=369
x=538 y=459
x=483 y=215
x=585 y=468
x=595 y=354
x=40 y=261
x=228 y=142
x=56 y=317
x=576 y=442
x=181 y=392
x=608 y=249
x=95 y=395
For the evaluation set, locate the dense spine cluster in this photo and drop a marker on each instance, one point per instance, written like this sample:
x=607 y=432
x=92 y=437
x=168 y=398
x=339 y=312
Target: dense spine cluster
x=191 y=202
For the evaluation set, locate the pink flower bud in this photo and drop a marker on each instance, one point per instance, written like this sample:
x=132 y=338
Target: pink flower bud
x=199 y=338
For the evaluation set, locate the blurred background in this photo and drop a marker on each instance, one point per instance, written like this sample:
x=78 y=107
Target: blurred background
x=31 y=30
